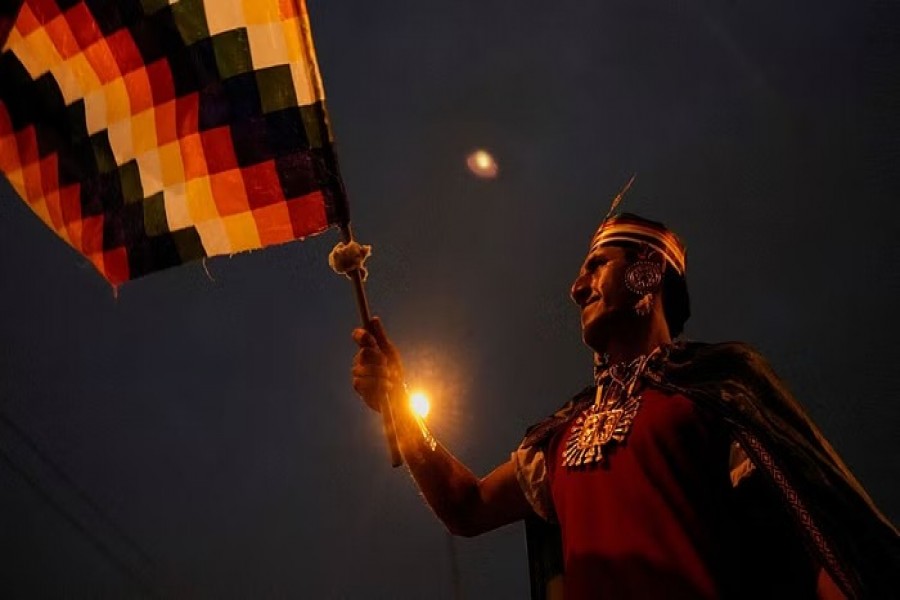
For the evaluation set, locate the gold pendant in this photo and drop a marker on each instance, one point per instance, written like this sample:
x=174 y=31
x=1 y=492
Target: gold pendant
x=595 y=428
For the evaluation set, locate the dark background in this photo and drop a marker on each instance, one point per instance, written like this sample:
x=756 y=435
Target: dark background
x=199 y=431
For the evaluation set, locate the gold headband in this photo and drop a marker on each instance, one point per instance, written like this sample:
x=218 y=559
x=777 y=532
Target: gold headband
x=634 y=229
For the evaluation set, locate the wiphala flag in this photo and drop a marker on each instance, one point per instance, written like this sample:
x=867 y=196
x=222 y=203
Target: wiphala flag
x=149 y=133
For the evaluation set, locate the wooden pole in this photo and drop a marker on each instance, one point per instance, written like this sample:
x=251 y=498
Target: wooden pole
x=362 y=304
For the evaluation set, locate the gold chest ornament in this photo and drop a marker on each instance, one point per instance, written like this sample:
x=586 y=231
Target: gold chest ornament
x=608 y=418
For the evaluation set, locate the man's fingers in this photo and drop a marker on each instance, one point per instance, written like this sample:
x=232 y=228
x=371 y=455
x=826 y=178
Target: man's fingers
x=375 y=371
x=376 y=367
x=371 y=386
x=363 y=338
x=372 y=390
x=370 y=356
x=377 y=330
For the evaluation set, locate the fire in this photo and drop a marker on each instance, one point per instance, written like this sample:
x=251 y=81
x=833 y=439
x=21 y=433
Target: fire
x=420 y=403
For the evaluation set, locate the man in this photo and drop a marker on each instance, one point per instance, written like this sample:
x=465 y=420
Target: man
x=686 y=471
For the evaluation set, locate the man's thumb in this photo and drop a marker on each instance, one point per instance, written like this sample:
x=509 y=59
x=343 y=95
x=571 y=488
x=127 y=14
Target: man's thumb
x=376 y=328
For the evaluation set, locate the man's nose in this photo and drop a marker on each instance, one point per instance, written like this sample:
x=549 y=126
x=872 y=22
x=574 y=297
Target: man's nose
x=581 y=289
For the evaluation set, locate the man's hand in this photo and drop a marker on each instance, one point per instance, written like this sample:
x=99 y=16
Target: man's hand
x=377 y=369
x=466 y=504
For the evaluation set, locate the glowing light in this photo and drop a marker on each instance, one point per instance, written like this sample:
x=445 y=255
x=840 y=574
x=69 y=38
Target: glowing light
x=482 y=164
x=420 y=403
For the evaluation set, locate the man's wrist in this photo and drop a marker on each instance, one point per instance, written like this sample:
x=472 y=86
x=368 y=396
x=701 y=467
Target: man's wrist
x=420 y=438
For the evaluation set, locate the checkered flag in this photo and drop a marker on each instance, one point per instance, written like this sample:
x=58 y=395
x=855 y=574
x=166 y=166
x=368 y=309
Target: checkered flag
x=150 y=133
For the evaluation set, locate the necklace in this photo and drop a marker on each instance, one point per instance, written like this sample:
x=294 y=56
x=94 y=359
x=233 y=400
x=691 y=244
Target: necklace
x=609 y=417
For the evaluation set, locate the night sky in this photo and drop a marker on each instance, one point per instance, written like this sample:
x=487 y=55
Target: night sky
x=197 y=432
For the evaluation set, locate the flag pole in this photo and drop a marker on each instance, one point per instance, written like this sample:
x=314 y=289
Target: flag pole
x=362 y=304
x=355 y=275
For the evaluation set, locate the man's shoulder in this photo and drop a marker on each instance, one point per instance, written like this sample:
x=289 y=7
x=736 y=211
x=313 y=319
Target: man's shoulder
x=708 y=366
x=698 y=350
x=715 y=356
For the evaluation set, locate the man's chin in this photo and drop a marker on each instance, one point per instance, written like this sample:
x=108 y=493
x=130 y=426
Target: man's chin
x=594 y=334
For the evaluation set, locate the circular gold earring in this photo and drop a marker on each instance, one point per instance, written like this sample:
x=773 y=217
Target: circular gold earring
x=644 y=275
x=643 y=278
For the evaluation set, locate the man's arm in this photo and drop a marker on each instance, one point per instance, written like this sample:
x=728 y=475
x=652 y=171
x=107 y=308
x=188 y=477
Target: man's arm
x=467 y=505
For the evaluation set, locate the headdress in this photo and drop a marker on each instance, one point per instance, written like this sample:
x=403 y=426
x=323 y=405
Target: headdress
x=628 y=227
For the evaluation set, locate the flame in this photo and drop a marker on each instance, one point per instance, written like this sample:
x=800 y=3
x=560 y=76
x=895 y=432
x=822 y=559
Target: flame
x=420 y=403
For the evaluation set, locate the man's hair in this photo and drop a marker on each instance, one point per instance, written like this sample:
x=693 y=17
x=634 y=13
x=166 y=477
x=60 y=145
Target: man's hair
x=676 y=301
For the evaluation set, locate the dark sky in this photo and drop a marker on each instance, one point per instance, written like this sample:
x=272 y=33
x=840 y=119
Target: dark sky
x=200 y=431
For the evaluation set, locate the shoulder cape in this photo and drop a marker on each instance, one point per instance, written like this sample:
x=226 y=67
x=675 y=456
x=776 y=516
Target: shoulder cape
x=841 y=526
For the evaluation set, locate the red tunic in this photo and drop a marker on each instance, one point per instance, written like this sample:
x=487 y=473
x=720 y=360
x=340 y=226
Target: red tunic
x=657 y=518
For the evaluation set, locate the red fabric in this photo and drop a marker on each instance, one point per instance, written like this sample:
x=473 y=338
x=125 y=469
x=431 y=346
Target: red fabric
x=656 y=519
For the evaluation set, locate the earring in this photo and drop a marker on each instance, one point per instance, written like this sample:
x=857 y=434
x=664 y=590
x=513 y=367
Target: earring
x=643 y=278
x=643 y=306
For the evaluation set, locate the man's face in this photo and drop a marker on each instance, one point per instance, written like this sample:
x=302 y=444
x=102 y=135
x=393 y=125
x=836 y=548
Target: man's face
x=600 y=292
